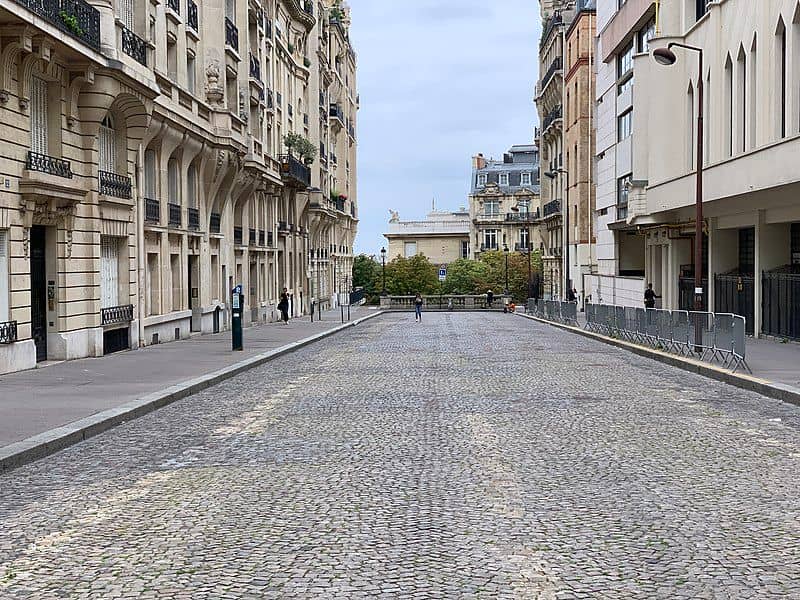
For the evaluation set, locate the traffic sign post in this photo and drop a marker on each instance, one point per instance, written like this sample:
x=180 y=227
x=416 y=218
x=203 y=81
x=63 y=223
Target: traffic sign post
x=442 y=272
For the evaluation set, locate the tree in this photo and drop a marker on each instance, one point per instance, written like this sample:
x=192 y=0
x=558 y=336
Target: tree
x=408 y=276
x=465 y=276
x=298 y=143
x=366 y=274
x=517 y=272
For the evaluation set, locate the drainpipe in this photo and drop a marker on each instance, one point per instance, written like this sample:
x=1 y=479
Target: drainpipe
x=140 y=246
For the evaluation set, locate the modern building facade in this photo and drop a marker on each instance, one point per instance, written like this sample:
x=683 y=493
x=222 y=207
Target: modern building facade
x=146 y=172
x=751 y=75
x=504 y=202
x=442 y=237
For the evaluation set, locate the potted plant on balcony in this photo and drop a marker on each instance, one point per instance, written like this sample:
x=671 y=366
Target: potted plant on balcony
x=71 y=22
x=295 y=142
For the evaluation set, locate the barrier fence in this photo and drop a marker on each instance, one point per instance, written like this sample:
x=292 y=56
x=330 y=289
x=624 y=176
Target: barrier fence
x=554 y=310
x=713 y=337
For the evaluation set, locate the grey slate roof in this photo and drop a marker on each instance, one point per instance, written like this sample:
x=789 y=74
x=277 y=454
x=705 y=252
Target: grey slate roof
x=523 y=158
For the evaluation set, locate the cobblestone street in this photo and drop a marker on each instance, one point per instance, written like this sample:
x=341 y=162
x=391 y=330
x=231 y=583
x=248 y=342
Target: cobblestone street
x=469 y=456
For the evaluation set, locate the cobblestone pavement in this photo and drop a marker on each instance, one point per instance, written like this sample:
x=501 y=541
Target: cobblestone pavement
x=470 y=456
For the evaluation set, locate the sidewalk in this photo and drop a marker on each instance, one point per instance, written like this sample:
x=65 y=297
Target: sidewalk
x=32 y=402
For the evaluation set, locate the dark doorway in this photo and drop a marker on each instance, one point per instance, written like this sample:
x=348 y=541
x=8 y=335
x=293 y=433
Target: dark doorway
x=116 y=340
x=39 y=291
x=217 y=312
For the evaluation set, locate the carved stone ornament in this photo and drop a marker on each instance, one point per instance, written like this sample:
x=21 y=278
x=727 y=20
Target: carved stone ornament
x=214 y=91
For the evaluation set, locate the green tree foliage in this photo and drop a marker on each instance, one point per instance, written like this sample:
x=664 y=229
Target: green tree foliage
x=466 y=276
x=366 y=274
x=298 y=144
x=489 y=273
x=408 y=276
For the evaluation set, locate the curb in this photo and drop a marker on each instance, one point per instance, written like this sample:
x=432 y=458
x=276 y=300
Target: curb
x=777 y=391
x=49 y=442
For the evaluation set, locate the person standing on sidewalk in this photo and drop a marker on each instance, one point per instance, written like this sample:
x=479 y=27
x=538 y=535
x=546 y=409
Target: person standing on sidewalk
x=489 y=298
x=650 y=297
x=418 y=308
x=283 y=306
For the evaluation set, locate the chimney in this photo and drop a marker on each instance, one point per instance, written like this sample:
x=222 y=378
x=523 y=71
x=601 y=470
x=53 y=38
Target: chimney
x=478 y=162
x=507 y=158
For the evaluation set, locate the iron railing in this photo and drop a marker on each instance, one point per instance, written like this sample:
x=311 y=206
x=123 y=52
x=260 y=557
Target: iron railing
x=231 y=34
x=686 y=293
x=193 y=217
x=238 y=236
x=551 y=24
x=215 y=222
x=152 y=210
x=293 y=170
x=551 y=118
x=117 y=314
x=175 y=217
x=48 y=164
x=551 y=208
x=781 y=304
x=115 y=185
x=555 y=66
x=523 y=217
x=622 y=210
x=134 y=46
x=735 y=293
x=191 y=15
x=8 y=332
x=74 y=17
x=255 y=67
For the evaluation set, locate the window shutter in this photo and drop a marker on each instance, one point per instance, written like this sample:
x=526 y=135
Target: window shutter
x=127 y=14
x=109 y=272
x=107 y=146
x=39 y=115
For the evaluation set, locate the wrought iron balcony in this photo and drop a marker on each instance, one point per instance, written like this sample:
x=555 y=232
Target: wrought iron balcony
x=255 y=67
x=336 y=112
x=191 y=15
x=8 y=332
x=551 y=24
x=523 y=217
x=551 y=118
x=115 y=185
x=134 y=46
x=193 y=216
x=338 y=203
x=48 y=164
x=215 y=222
x=152 y=210
x=238 y=236
x=294 y=172
x=117 y=314
x=253 y=237
x=551 y=208
x=555 y=66
x=74 y=17
x=175 y=217
x=174 y=5
x=231 y=35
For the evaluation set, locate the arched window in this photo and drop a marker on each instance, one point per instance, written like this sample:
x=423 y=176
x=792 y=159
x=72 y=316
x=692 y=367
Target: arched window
x=690 y=119
x=780 y=78
x=108 y=145
x=741 y=100
x=173 y=182
x=728 y=107
x=753 y=128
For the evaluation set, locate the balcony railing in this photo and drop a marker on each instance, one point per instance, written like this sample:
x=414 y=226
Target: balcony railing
x=8 y=332
x=215 y=222
x=551 y=118
x=175 y=5
x=152 y=210
x=115 y=185
x=48 y=164
x=489 y=247
x=336 y=112
x=551 y=24
x=134 y=46
x=193 y=216
x=622 y=211
x=255 y=67
x=555 y=66
x=175 y=217
x=520 y=247
x=238 y=236
x=262 y=237
x=191 y=15
x=74 y=17
x=231 y=35
x=490 y=216
x=523 y=217
x=253 y=237
x=551 y=208
x=117 y=314
x=293 y=171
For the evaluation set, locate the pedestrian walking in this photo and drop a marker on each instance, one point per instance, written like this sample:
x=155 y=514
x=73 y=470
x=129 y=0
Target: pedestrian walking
x=650 y=297
x=489 y=298
x=572 y=295
x=418 y=308
x=283 y=306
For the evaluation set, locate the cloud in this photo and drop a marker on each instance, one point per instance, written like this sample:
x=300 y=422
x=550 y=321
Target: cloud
x=440 y=80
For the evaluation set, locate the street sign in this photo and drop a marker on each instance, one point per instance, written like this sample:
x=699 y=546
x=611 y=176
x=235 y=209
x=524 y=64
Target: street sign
x=238 y=289
x=442 y=272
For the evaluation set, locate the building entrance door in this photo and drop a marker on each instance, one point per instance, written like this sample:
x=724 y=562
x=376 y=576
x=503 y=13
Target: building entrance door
x=39 y=291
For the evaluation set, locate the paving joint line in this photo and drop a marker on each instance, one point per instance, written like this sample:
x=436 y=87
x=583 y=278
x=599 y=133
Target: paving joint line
x=54 y=440
x=777 y=391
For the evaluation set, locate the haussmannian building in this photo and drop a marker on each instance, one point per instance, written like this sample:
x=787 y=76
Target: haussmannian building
x=145 y=171
x=504 y=204
x=442 y=236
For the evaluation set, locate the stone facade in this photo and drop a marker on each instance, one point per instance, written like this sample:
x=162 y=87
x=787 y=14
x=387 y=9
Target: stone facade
x=442 y=237
x=146 y=172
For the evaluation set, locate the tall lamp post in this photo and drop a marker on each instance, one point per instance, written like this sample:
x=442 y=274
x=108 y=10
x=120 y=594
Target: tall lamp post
x=665 y=56
x=505 y=251
x=383 y=268
x=552 y=175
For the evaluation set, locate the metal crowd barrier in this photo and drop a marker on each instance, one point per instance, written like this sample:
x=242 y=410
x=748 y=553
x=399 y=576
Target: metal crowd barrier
x=554 y=310
x=714 y=337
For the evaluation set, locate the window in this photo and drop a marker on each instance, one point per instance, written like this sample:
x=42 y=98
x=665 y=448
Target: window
x=4 y=315
x=690 y=122
x=191 y=82
x=525 y=179
x=524 y=238
x=410 y=249
x=39 y=142
x=126 y=13
x=230 y=9
x=150 y=174
x=780 y=107
x=625 y=69
x=490 y=239
x=728 y=107
x=464 y=249
x=107 y=146
x=173 y=182
x=624 y=125
x=503 y=178
x=191 y=187
x=741 y=98
x=623 y=186
x=524 y=206
x=702 y=8
x=747 y=250
x=109 y=271
x=482 y=179
x=491 y=207
x=646 y=33
x=795 y=235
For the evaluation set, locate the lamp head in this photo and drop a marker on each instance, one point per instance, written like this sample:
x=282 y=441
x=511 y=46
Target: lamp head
x=550 y=174
x=664 y=56
x=383 y=251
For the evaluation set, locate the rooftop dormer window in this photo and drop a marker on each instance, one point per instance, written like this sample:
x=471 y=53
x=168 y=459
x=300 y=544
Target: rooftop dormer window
x=525 y=179
x=503 y=178
x=482 y=179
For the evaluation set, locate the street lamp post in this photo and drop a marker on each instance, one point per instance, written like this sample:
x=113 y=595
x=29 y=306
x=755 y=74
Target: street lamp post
x=552 y=175
x=505 y=251
x=383 y=268
x=665 y=56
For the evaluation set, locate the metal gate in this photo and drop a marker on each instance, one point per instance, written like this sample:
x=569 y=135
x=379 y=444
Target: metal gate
x=781 y=304
x=686 y=294
x=39 y=292
x=736 y=294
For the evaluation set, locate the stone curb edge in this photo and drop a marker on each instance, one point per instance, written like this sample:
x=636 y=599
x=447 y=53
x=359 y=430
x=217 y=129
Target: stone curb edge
x=776 y=391
x=49 y=442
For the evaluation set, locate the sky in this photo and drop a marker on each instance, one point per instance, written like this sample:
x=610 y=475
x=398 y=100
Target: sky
x=440 y=81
